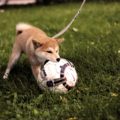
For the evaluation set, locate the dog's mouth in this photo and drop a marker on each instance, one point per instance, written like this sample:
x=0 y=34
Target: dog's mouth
x=57 y=60
x=46 y=61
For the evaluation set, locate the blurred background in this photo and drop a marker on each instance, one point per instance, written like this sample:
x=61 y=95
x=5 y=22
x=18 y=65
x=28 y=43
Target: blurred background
x=45 y=2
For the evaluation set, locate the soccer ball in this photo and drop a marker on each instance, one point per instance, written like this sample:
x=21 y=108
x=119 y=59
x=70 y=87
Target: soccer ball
x=58 y=76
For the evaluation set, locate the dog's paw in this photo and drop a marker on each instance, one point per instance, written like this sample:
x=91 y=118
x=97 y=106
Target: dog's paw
x=5 y=77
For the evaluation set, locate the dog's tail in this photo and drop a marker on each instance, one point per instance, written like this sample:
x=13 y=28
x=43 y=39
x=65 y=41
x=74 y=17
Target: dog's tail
x=20 y=27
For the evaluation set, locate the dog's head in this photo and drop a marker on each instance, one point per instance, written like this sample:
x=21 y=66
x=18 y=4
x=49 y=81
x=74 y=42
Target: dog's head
x=48 y=50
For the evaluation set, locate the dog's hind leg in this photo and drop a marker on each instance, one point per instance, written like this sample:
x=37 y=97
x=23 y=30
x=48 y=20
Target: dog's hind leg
x=16 y=52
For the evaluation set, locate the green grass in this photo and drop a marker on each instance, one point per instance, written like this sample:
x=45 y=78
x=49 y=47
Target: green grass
x=94 y=49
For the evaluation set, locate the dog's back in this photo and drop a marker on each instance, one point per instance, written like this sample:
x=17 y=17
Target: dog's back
x=26 y=33
x=29 y=30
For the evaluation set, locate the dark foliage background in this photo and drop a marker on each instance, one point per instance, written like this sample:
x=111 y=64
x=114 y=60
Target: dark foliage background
x=63 y=1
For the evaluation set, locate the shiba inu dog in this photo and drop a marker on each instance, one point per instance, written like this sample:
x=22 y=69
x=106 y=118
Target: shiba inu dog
x=36 y=45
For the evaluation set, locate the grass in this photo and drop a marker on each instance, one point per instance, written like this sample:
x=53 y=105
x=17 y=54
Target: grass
x=94 y=49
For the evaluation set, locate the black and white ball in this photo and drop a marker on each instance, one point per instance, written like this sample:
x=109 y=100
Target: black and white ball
x=59 y=76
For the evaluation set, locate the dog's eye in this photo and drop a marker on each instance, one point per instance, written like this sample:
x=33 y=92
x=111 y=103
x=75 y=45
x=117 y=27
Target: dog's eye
x=49 y=51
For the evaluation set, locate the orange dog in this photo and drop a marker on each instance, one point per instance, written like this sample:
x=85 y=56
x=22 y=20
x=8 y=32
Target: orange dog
x=37 y=46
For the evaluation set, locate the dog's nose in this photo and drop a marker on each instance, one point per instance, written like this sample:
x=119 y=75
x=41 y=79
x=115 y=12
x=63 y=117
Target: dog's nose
x=58 y=59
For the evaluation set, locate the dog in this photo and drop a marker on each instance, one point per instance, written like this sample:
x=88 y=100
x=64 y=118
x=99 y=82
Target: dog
x=36 y=45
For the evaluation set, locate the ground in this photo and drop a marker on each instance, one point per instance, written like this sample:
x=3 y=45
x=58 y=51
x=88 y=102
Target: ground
x=92 y=44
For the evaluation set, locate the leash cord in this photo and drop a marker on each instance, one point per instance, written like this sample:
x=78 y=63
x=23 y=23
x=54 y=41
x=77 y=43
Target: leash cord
x=70 y=23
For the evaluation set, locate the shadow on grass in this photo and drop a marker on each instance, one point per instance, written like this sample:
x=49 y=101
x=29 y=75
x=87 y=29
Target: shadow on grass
x=20 y=80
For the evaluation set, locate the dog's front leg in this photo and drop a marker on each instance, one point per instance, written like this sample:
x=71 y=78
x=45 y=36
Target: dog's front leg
x=36 y=69
x=36 y=72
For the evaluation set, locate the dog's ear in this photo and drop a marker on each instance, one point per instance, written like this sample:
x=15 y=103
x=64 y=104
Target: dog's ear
x=60 y=40
x=36 y=44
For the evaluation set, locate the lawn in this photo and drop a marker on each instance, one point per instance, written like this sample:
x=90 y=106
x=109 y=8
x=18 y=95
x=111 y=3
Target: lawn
x=92 y=44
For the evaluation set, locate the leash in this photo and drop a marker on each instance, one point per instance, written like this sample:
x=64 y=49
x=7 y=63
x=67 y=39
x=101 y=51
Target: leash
x=70 y=23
